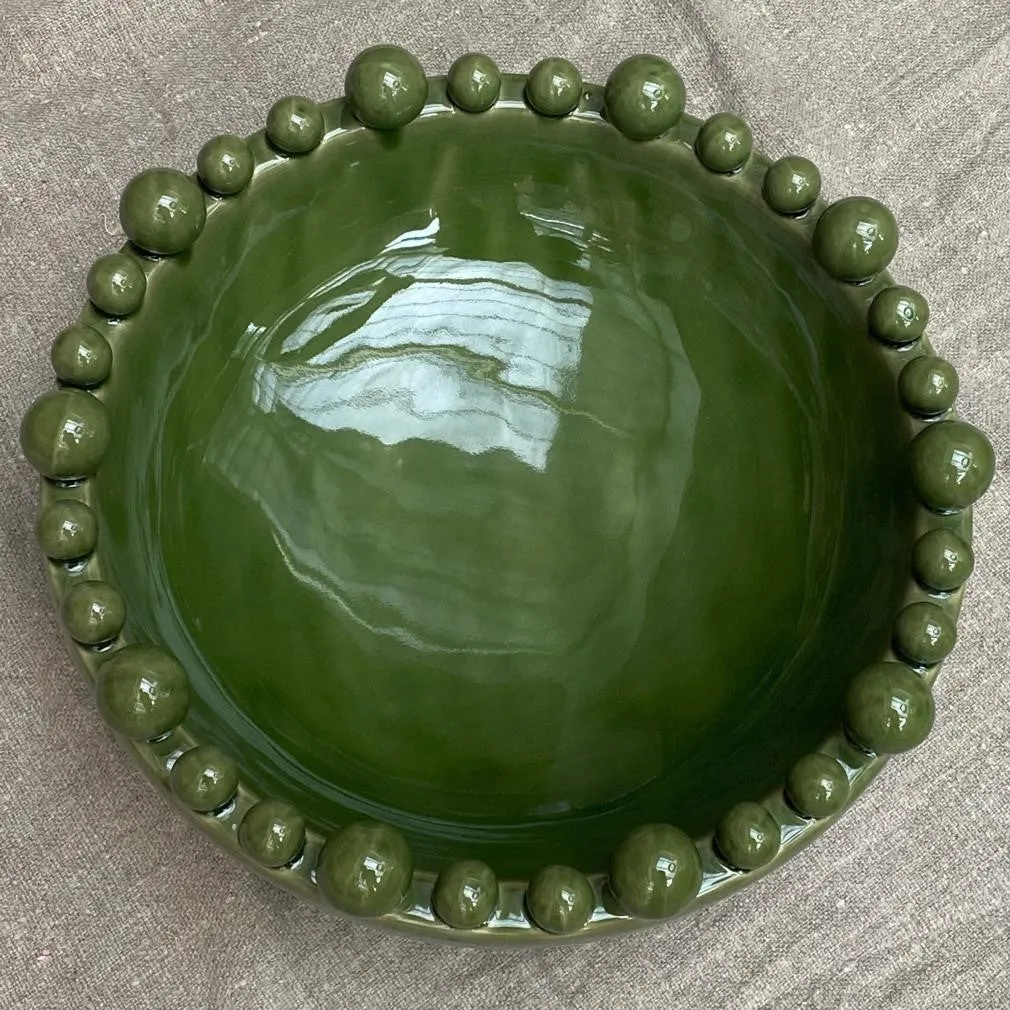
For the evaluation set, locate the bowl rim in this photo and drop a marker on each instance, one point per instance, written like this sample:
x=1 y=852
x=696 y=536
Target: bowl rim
x=415 y=908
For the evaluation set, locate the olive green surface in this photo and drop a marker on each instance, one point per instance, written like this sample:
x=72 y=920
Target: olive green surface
x=724 y=143
x=81 y=356
x=117 y=284
x=899 y=315
x=952 y=464
x=855 y=239
x=655 y=872
x=928 y=385
x=792 y=184
x=65 y=434
x=465 y=894
x=924 y=634
x=66 y=530
x=526 y=443
x=474 y=82
x=365 y=869
x=644 y=97
x=385 y=87
x=942 y=560
x=817 y=786
x=272 y=832
x=554 y=87
x=162 y=211
x=93 y=612
x=295 y=125
x=560 y=899
x=889 y=709
x=747 y=836
x=226 y=164
x=142 y=692
x=204 y=778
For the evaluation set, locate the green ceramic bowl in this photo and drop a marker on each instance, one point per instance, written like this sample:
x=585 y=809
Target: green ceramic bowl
x=505 y=507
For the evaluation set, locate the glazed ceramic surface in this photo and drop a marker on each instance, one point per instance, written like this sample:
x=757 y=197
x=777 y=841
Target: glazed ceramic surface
x=504 y=506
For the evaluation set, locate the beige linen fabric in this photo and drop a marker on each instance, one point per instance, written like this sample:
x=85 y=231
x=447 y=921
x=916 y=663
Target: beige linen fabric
x=109 y=900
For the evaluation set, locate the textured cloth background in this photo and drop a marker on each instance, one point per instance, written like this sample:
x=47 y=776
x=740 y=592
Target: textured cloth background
x=110 y=900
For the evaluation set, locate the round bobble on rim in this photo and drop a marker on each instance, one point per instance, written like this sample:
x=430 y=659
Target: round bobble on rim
x=924 y=634
x=724 y=143
x=792 y=185
x=226 y=165
x=855 y=239
x=817 y=786
x=81 y=357
x=65 y=434
x=560 y=899
x=952 y=465
x=94 y=612
x=295 y=125
x=204 y=779
x=163 y=211
x=67 y=530
x=365 y=869
x=554 y=87
x=942 y=560
x=655 y=872
x=928 y=386
x=386 y=87
x=644 y=97
x=888 y=709
x=466 y=894
x=474 y=82
x=273 y=833
x=117 y=284
x=899 y=315
x=747 y=836
x=142 y=692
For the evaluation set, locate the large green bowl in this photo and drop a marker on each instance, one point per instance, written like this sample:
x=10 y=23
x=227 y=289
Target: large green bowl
x=505 y=507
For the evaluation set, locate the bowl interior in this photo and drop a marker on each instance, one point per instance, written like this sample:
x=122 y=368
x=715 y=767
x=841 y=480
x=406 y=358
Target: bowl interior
x=514 y=484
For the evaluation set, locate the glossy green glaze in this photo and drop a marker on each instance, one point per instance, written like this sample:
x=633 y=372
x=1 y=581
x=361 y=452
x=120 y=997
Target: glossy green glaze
x=66 y=530
x=644 y=97
x=724 y=143
x=117 y=284
x=204 y=778
x=65 y=434
x=295 y=125
x=226 y=165
x=273 y=833
x=466 y=894
x=365 y=869
x=162 y=211
x=952 y=464
x=928 y=385
x=655 y=872
x=554 y=87
x=899 y=315
x=792 y=185
x=479 y=365
x=924 y=634
x=560 y=899
x=142 y=692
x=942 y=560
x=855 y=239
x=817 y=786
x=474 y=82
x=747 y=836
x=500 y=487
x=93 y=612
x=81 y=356
x=386 y=87
x=889 y=709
